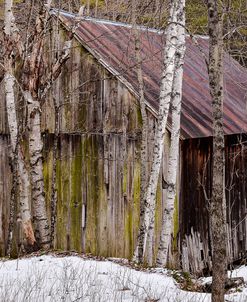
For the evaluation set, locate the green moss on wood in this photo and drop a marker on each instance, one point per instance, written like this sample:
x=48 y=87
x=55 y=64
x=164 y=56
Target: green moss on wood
x=59 y=225
x=129 y=231
x=76 y=197
x=137 y=185
x=47 y=174
x=102 y=208
x=90 y=152
x=63 y=195
x=133 y=209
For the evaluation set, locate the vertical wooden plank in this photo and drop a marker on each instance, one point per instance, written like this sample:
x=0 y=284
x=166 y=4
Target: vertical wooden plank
x=102 y=200
x=3 y=186
x=63 y=188
x=3 y=115
x=84 y=194
x=75 y=203
x=92 y=218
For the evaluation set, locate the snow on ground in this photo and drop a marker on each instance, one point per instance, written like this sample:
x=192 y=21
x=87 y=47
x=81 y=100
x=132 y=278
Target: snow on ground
x=67 y=279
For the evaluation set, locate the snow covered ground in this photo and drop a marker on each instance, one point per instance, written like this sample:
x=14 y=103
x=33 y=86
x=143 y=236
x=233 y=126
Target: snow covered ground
x=50 y=279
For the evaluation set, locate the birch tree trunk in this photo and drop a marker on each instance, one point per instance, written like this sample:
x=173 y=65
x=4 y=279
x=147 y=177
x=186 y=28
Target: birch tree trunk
x=34 y=90
x=167 y=215
x=35 y=93
x=217 y=206
x=40 y=218
x=21 y=171
x=165 y=96
x=33 y=71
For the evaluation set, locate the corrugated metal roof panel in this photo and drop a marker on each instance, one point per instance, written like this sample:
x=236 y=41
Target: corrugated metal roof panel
x=114 y=45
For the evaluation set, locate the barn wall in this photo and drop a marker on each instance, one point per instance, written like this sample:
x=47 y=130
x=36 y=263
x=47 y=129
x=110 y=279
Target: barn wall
x=194 y=232
x=236 y=188
x=98 y=166
x=5 y=188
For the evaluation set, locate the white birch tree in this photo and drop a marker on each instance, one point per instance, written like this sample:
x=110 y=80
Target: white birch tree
x=167 y=215
x=33 y=69
x=11 y=32
x=35 y=92
x=34 y=84
x=146 y=226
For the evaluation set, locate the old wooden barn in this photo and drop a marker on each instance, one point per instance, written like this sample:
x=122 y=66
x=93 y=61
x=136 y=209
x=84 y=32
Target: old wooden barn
x=98 y=166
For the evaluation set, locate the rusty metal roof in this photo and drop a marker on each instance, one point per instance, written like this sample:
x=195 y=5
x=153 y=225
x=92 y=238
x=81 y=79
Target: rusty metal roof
x=112 y=43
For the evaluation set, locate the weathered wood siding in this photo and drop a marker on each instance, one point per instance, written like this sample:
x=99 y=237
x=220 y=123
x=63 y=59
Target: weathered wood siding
x=99 y=160
x=5 y=188
x=236 y=188
x=98 y=167
x=194 y=232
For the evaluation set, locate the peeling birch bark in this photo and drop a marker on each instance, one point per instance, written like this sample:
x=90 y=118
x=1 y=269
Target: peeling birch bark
x=9 y=95
x=35 y=91
x=40 y=218
x=24 y=184
x=19 y=168
x=33 y=66
x=165 y=96
x=9 y=82
x=13 y=199
x=10 y=106
x=167 y=215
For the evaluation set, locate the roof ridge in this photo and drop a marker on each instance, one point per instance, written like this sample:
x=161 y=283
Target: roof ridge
x=117 y=23
x=106 y=21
